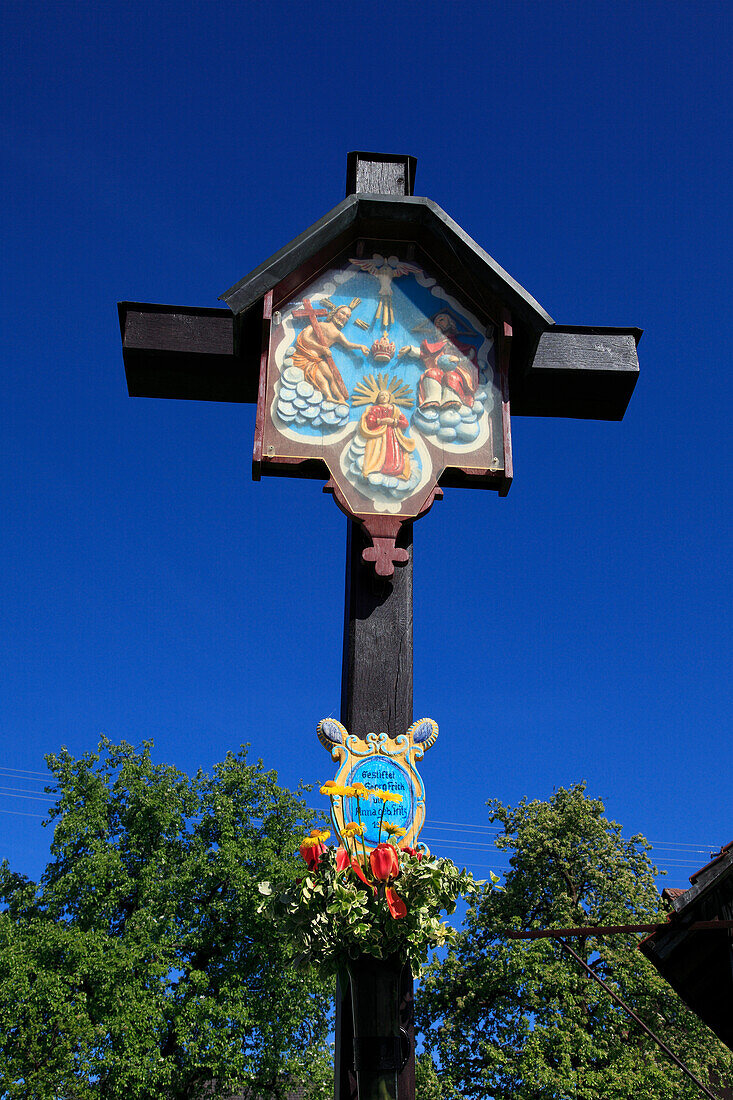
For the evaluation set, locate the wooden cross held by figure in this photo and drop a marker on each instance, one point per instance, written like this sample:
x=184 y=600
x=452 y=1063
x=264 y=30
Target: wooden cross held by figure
x=329 y=377
x=487 y=346
x=312 y=315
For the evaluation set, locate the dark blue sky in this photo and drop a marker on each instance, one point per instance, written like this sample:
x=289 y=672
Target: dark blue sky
x=580 y=628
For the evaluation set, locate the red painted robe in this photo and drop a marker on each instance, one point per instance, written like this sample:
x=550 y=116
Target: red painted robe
x=458 y=383
x=388 y=448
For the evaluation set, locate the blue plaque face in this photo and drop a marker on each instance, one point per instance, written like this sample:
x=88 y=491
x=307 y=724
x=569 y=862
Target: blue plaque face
x=378 y=771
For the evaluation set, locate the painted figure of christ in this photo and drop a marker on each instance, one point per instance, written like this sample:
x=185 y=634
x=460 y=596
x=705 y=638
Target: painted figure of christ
x=313 y=356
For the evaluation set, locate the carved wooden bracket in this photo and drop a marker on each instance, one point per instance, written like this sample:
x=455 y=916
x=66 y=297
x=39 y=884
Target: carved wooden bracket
x=383 y=530
x=383 y=552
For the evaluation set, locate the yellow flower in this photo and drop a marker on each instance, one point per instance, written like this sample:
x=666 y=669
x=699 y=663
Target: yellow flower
x=387 y=796
x=311 y=842
x=353 y=829
x=332 y=790
x=320 y=834
x=393 y=830
x=360 y=790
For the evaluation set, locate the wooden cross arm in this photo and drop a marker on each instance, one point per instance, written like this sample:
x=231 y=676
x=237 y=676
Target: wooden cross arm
x=187 y=352
x=587 y=373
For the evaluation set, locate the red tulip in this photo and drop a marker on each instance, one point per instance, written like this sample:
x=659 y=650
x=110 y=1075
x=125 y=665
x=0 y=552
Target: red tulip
x=342 y=859
x=413 y=852
x=356 y=867
x=396 y=905
x=384 y=862
x=312 y=853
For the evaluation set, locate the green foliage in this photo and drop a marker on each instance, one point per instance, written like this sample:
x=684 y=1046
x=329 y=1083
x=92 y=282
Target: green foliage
x=141 y=966
x=519 y=1019
x=332 y=916
x=429 y=1084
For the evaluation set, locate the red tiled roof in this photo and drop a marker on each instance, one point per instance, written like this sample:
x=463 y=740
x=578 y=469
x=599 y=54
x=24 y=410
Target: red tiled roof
x=673 y=891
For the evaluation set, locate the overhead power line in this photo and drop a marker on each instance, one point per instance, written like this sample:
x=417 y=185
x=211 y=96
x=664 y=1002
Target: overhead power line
x=679 y=848
x=23 y=771
x=467 y=829
x=662 y=852
x=466 y=825
x=10 y=792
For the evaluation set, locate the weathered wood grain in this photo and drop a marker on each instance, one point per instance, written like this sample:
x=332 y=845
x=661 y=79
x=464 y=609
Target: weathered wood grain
x=177 y=328
x=189 y=352
x=376 y=681
x=344 y=1076
x=185 y=352
x=376 y=684
x=406 y=1080
x=586 y=373
x=380 y=174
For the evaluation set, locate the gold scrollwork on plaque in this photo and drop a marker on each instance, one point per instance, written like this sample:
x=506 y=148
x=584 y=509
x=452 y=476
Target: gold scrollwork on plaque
x=384 y=762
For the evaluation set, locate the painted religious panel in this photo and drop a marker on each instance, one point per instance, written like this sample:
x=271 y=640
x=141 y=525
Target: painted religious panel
x=377 y=370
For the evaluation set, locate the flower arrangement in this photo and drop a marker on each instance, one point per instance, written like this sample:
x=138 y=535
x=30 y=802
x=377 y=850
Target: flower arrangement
x=353 y=902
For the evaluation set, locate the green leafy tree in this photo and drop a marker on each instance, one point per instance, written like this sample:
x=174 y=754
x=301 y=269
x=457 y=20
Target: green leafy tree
x=141 y=966
x=519 y=1019
x=429 y=1083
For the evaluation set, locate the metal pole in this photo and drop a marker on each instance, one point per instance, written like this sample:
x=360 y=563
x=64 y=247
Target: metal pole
x=670 y=1054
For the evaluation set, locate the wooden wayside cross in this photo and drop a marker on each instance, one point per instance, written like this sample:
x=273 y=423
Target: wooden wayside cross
x=455 y=344
x=423 y=404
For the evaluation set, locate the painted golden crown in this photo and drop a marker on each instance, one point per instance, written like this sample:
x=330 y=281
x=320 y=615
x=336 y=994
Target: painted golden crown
x=383 y=349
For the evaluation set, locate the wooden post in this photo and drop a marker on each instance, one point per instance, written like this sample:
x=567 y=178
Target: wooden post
x=376 y=678
x=376 y=682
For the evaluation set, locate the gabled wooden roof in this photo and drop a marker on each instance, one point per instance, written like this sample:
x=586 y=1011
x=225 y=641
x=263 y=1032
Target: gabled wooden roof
x=555 y=370
x=391 y=218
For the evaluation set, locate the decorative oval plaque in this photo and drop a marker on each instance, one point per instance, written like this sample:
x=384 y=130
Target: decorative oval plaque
x=383 y=763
